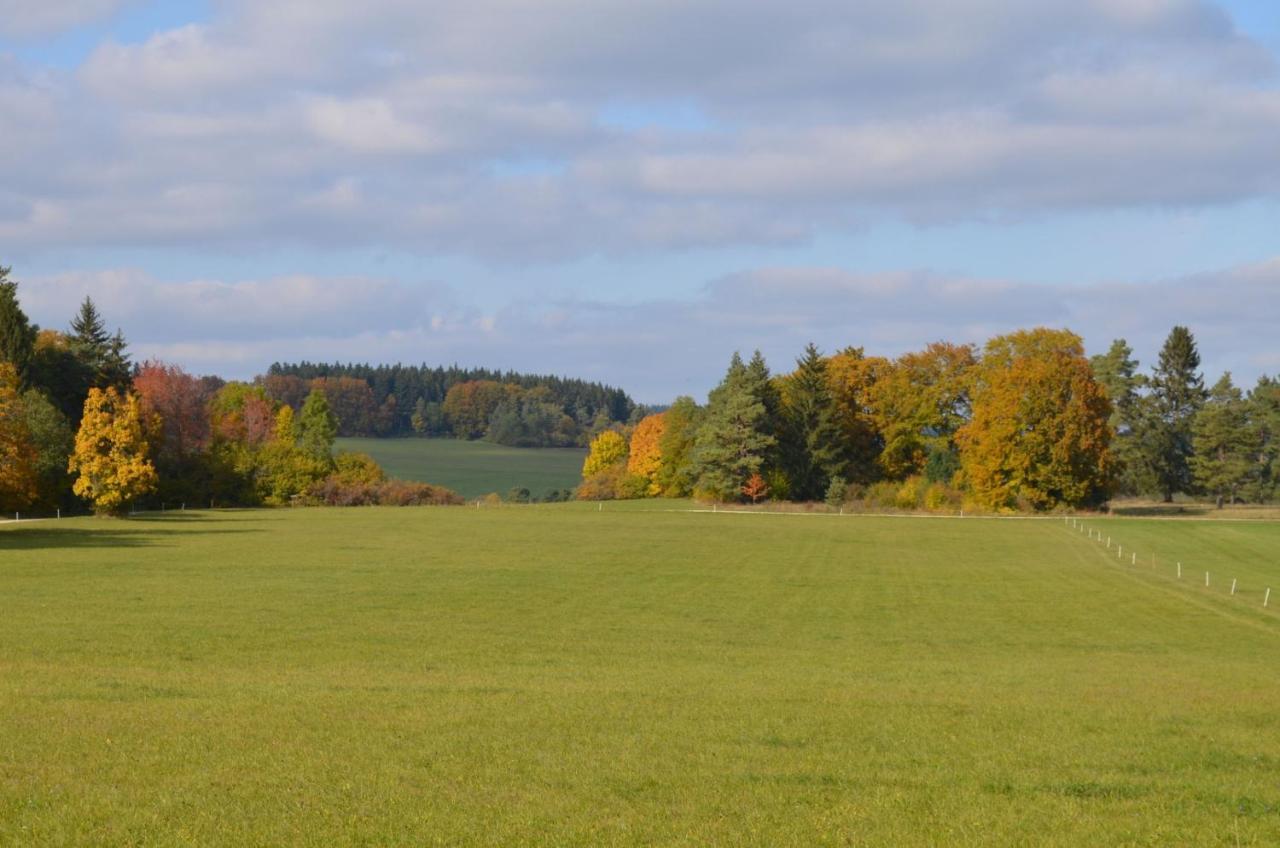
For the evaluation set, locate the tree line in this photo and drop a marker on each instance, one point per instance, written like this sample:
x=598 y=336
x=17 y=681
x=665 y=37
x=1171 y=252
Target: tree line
x=79 y=422
x=1026 y=423
x=509 y=408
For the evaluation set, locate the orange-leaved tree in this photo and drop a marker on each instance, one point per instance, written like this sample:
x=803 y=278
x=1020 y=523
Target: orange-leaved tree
x=918 y=403
x=19 y=482
x=111 y=452
x=755 y=487
x=1039 y=432
x=645 y=458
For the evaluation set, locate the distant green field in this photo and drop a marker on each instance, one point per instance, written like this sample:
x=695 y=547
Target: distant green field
x=631 y=675
x=474 y=468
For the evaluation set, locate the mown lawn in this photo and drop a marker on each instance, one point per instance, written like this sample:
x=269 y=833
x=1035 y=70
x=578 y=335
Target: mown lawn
x=564 y=675
x=473 y=469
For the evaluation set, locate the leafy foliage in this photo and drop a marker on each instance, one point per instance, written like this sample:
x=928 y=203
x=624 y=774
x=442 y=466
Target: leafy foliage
x=1039 y=430
x=111 y=458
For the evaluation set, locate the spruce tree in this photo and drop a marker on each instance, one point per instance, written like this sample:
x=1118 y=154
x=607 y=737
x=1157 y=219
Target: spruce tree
x=102 y=354
x=1117 y=372
x=1177 y=393
x=1226 y=447
x=17 y=335
x=761 y=385
x=730 y=444
x=811 y=449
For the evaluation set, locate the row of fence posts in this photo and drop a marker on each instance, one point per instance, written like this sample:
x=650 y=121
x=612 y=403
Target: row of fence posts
x=1096 y=535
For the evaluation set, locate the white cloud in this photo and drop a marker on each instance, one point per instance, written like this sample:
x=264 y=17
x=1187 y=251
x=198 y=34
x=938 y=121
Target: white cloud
x=819 y=115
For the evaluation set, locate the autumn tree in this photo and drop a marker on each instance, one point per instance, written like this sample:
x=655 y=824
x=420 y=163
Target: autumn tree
x=755 y=487
x=919 y=403
x=242 y=413
x=731 y=442
x=645 y=457
x=608 y=450
x=1039 y=431
x=852 y=374
x=180 y=401
x=469 y=406
x=317 y=426
x=675 y=476
x=1225 y=445
x=1177 y=393
x=18 y=477
x=111 y=452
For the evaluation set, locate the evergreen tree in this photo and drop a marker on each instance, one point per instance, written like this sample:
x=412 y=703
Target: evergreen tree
x=17 y=335
x=1177 y=393
x=810 y=447
x=317 y=426
x=1117 y=372
x=731 y=444
x=1264 y=417
x=1226 y=447
x=102 y=354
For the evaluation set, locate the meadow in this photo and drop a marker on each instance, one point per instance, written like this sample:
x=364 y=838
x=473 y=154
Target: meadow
x=576 y=675
x=473 y=469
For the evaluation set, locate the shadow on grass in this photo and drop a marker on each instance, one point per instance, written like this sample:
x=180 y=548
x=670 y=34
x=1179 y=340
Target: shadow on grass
x=1160 y=510
x=118 y=535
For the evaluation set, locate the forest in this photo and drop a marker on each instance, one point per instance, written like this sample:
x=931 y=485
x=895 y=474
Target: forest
x=1026 y=423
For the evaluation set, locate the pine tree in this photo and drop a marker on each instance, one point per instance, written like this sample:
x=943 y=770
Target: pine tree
x=811 y=443
x=17 y=335
x=1117 y=372
x=731 y=444
x=1264 y=416
x=1226 y=446
x=1177 y=393
x=318 y=427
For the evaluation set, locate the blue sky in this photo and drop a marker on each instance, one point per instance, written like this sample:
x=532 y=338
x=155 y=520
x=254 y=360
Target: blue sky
x=631 y=193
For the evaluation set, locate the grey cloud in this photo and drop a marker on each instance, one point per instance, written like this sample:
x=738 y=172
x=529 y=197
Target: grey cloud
x=394 y=123
x=660 y=348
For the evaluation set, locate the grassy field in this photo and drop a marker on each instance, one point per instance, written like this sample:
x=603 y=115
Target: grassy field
x=474 y=468
x=560 y=675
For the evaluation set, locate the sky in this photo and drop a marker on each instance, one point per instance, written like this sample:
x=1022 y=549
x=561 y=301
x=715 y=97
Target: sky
x=630 y=192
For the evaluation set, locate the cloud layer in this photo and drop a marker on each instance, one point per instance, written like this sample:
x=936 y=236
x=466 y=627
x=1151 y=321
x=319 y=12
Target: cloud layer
x=514 y=131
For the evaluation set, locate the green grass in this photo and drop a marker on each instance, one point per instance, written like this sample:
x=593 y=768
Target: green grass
x=565 y=675
x=473 y=469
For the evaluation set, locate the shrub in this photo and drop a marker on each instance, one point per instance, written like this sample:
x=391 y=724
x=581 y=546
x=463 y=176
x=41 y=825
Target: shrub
x=911 y=494
x=334 y=491
x=883 y=495
x=836 y=493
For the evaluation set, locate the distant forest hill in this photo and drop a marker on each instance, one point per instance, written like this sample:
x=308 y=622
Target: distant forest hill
x=509 y=408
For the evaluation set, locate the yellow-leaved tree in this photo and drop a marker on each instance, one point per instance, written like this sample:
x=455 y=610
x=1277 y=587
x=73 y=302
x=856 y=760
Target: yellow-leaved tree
x=607 y=450
x=1039 y=434
x=645 y=459
x=111 y=453
x=18 y=478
